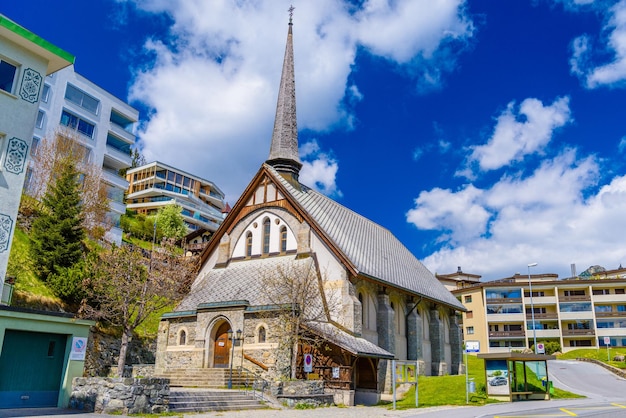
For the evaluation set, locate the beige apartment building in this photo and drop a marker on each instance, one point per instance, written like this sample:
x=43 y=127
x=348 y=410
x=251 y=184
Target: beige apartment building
x=584 y=311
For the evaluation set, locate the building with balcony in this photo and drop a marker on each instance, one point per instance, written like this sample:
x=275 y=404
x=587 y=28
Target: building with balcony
x=155 y=185
x=585 y=311
x=102 y=123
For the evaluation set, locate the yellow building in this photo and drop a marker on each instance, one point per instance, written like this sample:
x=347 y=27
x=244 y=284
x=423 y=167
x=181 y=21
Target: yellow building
x=584 y=311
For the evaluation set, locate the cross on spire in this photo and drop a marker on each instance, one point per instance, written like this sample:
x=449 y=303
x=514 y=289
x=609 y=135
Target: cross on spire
x=290 y=10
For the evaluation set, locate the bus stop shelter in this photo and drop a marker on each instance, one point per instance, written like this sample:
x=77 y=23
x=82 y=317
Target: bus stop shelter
x=517 y=376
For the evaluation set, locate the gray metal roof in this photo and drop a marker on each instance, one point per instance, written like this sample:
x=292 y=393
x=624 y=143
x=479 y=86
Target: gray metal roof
x=240 y=280
x=356 y=345
x=373 y=250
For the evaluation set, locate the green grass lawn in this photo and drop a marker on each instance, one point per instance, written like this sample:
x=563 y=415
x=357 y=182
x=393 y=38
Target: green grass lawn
x=598 y=354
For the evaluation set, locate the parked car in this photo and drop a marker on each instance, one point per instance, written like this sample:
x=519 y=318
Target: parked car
x=498 y=381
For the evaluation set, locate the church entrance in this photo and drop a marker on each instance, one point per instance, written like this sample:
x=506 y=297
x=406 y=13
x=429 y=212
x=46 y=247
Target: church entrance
x=221 y=349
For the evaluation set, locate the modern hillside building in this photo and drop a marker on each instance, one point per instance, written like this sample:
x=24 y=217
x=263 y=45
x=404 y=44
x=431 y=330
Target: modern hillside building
x=102 y=123
x=25 y=61
x=584 y=311
x=155 y=185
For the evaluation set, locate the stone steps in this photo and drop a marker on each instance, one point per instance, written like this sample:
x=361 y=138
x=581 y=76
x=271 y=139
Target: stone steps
x=211 y=400
x=205 y=378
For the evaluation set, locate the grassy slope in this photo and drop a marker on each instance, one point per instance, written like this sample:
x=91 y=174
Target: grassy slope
x=30 y=291
x=598 y=354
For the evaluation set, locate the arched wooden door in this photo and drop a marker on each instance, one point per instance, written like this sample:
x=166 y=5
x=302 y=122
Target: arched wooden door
x=221 y=350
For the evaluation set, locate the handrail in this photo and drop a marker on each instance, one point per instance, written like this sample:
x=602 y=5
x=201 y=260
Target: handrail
x=255 y=362
x=258 y=384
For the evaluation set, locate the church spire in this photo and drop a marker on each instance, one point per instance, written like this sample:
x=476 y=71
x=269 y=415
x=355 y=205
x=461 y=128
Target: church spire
x=284 y=148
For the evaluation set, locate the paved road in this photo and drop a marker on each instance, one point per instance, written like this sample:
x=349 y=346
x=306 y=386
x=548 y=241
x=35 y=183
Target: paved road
x=606 y=397
x=587 y=379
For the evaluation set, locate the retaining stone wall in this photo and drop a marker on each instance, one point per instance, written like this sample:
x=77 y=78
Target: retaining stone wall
x=120 y=395
x=619 y=372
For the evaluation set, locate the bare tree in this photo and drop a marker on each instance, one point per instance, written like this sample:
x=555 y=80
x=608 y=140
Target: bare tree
x=128 y=286
x=64 y=147
x=304 y=298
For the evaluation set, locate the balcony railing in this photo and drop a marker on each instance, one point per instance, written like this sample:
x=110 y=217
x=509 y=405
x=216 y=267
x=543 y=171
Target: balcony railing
x=504 y=300
x=547 y=315
x=571 y=332
x=584 y=298
x=610 y=314
x=504 y=334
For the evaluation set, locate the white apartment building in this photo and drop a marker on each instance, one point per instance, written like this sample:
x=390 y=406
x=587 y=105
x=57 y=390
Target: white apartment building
x=104 y=125
x=156 y=184
x=25 y=61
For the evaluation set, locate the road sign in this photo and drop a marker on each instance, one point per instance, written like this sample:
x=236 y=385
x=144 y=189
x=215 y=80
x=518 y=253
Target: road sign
x=308 y=363
x=607 y=340
x=472 y=346
x=541 y=349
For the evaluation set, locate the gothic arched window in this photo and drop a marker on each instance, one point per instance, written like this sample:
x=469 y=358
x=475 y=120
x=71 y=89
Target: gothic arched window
x=261 y=334
x=266 y=236
x=182 y=338
x=283 y=239
x=249 y=244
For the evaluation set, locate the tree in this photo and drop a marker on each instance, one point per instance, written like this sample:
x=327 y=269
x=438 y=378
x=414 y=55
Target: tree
x=170 y=222
x=62 y=148
x=127 y=287
x=304 y=298
x=58 y=233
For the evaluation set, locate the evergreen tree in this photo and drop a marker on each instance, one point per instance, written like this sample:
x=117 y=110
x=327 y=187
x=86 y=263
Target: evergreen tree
x=57 y=233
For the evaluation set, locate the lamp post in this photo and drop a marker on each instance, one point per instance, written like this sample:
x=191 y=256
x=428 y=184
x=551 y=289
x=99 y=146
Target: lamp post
x=233 y=337
x=532 y=308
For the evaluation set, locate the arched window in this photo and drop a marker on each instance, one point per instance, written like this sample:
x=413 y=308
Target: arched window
x=363 y=319
x=182 y=338
x=283 y=239
x=261 y=334
x=266 y=236
x=249 y=244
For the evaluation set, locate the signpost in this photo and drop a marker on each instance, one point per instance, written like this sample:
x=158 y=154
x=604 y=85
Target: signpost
x=607 y=342
x=470 y=347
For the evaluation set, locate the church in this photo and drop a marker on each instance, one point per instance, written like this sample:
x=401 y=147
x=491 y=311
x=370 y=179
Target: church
x=313 y=289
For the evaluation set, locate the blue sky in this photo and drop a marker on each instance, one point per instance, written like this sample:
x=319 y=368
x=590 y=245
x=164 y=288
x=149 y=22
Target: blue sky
x=484 y=134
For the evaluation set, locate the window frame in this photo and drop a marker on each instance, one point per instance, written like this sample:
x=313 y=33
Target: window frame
x=15 y=75
x=265 y=242
x=81 y=103
x=76 y=125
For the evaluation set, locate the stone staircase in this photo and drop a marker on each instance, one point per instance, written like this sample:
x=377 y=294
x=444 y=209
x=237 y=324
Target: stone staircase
x=206 y=378
x=204 y=400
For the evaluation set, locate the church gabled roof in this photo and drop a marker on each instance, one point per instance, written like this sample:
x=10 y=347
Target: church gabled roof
x=372 y=250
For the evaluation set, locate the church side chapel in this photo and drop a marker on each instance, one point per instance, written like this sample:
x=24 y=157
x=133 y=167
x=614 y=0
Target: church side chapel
x=307 y=288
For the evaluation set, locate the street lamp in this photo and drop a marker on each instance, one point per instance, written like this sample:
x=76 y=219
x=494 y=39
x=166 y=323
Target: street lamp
x=532 y=308
x=233 y=337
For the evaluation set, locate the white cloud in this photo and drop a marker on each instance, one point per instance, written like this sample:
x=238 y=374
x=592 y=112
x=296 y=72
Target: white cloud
x=211 y=86
x=520 y=133
x=559 y=214
x=612 y=74
x=319 y=169
x=622 y=144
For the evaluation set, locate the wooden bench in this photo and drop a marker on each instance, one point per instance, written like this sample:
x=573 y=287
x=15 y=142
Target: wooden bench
x=520 y=394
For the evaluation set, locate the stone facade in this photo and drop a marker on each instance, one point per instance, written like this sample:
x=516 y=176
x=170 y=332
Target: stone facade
x=120 y=395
